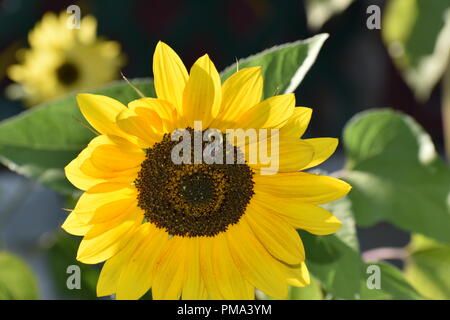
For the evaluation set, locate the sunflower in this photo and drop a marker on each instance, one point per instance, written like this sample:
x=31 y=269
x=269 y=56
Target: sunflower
x=61 y=60
x=197 y=230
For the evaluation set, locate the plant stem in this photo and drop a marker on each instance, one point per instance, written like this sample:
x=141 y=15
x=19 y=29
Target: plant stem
x=387 y=253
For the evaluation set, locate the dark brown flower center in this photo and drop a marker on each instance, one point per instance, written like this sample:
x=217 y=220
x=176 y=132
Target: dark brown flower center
x=192 y=199
x=67 y=73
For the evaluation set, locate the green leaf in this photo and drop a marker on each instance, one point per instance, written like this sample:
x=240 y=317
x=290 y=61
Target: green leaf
x=418 y=42
x=40 y=142
x=319 y=11
x=334 y=263
x=284 y=66
x=393 y=285
x=311 y=292
x=17 y=282
x=342 y=208
x=428 y=268
x=62 y=254
x=396 y=174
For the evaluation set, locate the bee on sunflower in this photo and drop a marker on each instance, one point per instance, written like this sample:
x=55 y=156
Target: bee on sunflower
x=197 y=230
x=68 y=59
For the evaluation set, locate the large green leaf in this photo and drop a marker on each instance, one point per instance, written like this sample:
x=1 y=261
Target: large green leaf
x=335 y=264
x=284 y=66
x=342 y=208
x=17 y=282
x=396 y=174
x=319 y=11
x=393 y=285
x=428 y=268
x=40 y=142
x=418 y=41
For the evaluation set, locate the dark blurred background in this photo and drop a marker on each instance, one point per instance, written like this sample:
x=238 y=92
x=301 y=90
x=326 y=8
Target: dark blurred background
x=352 y=73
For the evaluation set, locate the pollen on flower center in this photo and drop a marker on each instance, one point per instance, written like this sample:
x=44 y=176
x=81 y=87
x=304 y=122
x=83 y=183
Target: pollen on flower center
x=67 y=73
x=192 y=199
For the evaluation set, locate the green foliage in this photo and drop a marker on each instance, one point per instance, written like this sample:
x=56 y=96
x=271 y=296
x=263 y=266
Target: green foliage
x=61 y=255
x=396 y=174
x=336 y=265
x=17 y=282
x=393 y=285
x=417 y=34
x=283 y=67
x=428 y=267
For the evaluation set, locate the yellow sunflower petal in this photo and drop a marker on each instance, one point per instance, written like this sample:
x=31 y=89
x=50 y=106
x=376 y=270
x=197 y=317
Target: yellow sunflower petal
x=230 y=280
x=309 y=217
x=98 y=175
x=119 y=162
x=110 y=274
x=273 y=112
x=207 y=264
x=202 y=95
x=222 y=278
x=289 y=155
x=170 y=75
x=255 y=262
x=298 y=275
x=102 y=195
x=240 y=92
x=112 y=270
x=323 y=149
x=131 y=213
x=170 y=270
x=101 y=112
x=193 y=288
x=147 y=107
x=136 y=277
x=102 y=247
x=76 y=226
x=277 y=236
x=297 y=124
x=305 y=187
x=116 y=154
x=89 y=168
x=143 y=128
x=76 y=176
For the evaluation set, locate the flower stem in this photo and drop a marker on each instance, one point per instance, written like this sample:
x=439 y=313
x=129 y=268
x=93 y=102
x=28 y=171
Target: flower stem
x=379 y=254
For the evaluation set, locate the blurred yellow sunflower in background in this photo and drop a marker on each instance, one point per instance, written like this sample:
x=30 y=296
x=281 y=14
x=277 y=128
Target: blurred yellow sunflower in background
x=197 y=231
x=61 y=60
